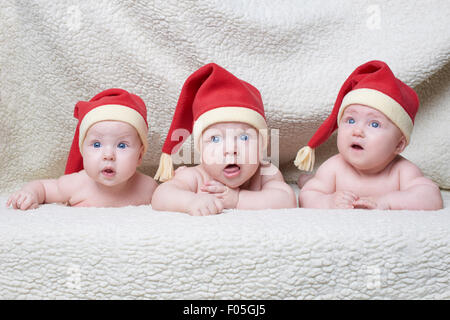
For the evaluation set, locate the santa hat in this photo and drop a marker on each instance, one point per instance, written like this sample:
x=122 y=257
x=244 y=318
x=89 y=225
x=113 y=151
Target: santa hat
x=111 y=104
x=211 y=95
x=374 y=85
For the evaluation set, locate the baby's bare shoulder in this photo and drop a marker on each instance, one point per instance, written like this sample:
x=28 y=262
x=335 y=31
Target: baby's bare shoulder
x=187 y=177
x=409 y=173
x=146 y=182
x=405 y=167
x=324 y=179
x=74 y=180
x=332 y=165
x=68 y=186
x=189 y=173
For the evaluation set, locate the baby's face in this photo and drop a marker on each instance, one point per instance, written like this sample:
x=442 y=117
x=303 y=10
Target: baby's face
x=230 y=152
x=367 y=139
x=111 y=152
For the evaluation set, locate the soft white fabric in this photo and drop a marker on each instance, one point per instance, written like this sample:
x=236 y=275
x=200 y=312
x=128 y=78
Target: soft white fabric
x=136 y=253
x=297 y=53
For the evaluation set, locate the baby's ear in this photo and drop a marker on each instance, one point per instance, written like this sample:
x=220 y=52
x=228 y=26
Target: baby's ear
x=401 y=145
x=141 y=155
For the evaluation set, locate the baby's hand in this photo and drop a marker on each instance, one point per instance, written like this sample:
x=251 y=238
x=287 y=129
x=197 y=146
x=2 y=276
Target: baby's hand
x=23 y=200
x=204 y=205
x=229 y=196
x=371 y=203
x=344 y=200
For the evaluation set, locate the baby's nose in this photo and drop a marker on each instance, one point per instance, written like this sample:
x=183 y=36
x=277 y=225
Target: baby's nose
x=358 y=132
x=109 y=154
x=230 y=146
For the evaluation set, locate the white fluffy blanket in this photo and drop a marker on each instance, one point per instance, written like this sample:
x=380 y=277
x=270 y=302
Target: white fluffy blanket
x=297 y=53
x=57 y=252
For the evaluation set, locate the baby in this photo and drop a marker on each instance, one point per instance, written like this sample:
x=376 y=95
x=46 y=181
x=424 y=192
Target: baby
x=226 y=117
x=109 y=143
x=374 y=115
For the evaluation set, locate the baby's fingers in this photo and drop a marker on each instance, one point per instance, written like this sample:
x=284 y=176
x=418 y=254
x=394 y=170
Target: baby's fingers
x=211 y=208
x=204 y=211
x=214 y=183
x=213 y=189
x=344 y=205
x=14 y=200
x=21 y=201
x=346 y=199
x=365 y=204
x=219 y=205
x=27 y=203
x=9 y=201
x=34 y=206
x=350 y=196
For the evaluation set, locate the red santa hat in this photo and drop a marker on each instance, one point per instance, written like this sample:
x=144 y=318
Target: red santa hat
x=112 y=104
x=211 y=95
x=374 y=85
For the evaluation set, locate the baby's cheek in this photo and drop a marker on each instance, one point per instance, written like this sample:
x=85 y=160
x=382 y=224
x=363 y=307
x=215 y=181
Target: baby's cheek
x=134 y=158
x=248 y=154
x=89 y=160
x=128 y=167
x=212 y=155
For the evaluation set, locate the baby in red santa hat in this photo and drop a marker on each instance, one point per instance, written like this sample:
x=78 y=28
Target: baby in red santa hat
x=374 y=115
x=109 y=144
x=226 y=117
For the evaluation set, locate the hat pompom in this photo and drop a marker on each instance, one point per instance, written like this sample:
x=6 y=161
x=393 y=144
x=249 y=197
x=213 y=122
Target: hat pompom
x=165 y=169
x=305 y=159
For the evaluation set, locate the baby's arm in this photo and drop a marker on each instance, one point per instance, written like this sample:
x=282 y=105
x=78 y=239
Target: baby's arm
x=416 y=191
x=320 y=191
x=43 y=191
x=179 y=194
x=275 y=194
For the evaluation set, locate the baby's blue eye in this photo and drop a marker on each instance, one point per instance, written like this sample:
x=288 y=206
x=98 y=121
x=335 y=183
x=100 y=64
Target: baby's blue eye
x=97 y=145
x=121 y=145
x=351 y=121
x=244 y=137
x=215 y=139
x=374 y=124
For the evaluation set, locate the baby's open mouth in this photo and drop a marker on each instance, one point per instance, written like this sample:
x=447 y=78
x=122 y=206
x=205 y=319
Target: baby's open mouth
x=357 y=147
x=231 y=170
x=108 y=172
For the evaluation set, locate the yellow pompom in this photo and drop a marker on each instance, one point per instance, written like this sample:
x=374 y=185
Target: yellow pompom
x=305 y=159
x=165 y=169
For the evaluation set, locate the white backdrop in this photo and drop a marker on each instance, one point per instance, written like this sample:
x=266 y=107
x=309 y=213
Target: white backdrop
x=297 y=53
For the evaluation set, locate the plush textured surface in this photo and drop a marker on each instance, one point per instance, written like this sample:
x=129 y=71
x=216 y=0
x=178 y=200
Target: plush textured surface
x=55 y=53
x=135 y=252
